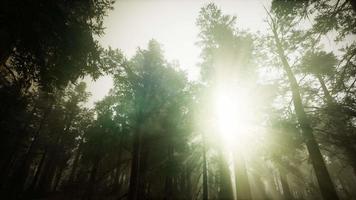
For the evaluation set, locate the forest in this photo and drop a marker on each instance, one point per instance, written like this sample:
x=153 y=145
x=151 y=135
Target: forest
x=272 y=114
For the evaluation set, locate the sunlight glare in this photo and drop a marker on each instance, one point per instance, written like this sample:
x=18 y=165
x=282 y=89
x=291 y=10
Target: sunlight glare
x=233 y=111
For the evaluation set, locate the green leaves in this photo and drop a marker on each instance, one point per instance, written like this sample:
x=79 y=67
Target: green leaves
x=319 y=63
x=52 y=42
x=226 y=51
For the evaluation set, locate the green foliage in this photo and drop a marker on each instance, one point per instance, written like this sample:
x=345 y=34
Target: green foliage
x=226 y=51
x=147 y=136
x=328 y=15
x=319 y=63
x=52 y=42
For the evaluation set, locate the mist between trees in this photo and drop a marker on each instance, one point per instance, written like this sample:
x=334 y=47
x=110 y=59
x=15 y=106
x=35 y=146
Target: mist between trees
x=272 y=115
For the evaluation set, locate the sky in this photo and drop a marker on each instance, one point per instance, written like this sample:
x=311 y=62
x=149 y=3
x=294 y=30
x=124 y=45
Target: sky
x=133 y=23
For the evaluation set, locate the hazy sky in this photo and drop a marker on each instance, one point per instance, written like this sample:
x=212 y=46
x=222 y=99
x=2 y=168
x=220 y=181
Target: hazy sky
x=133 y=23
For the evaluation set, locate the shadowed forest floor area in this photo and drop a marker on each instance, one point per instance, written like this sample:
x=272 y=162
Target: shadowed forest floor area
x=271 y=113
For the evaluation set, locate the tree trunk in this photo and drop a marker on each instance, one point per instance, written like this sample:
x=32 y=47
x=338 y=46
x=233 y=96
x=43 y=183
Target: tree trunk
x=351 y=155
x=115 y=186
x=188 y=183
x=45 y=182
x=22 y=171
x=260 y=187
x=92 y=178
x=58 y=178
x=168 y=190
x=348 y=147
x=11 y=156
x=73 y=171
x=328 y=97
x=142 y=182
x=325 y=183
x=205 y=172
x=225 y=186
x=243 y=190
x=38 y=172
x=285 y=186
x=135 y=166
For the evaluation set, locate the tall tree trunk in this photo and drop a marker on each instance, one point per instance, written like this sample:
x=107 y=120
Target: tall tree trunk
x=188 y=183
x=168 y=190
x=135 y=166
x=243 y=190
x=271 y=188
x=15 y=146
x=38 y=171
x=45 y=182
x=73 y=171
x=205 y=172
x=142 y=185
x=115 y=186
x=58 y=177
x=351 y=154
x=341 y=125
x=328 y=97
x=225 y=185
x=324 y=180
x=285 y=186
x=92 y=178
x=22 y=171
x=116 y=183
x=46 y=179
x=260 y=187
x=11 y=156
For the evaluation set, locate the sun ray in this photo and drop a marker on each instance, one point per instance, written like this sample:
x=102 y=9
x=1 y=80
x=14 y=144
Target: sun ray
x=233 y=108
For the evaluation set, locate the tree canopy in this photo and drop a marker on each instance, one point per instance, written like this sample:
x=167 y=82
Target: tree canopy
x=272 y=115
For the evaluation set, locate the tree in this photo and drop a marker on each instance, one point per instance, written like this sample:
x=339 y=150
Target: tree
x=55 y=42
x=226 y=55
x=153 y=93
x=324 y=180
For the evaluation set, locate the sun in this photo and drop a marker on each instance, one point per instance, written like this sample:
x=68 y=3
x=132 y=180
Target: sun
x=233 y=110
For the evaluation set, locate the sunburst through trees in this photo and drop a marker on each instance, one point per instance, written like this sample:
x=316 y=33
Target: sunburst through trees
x=272 y=114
